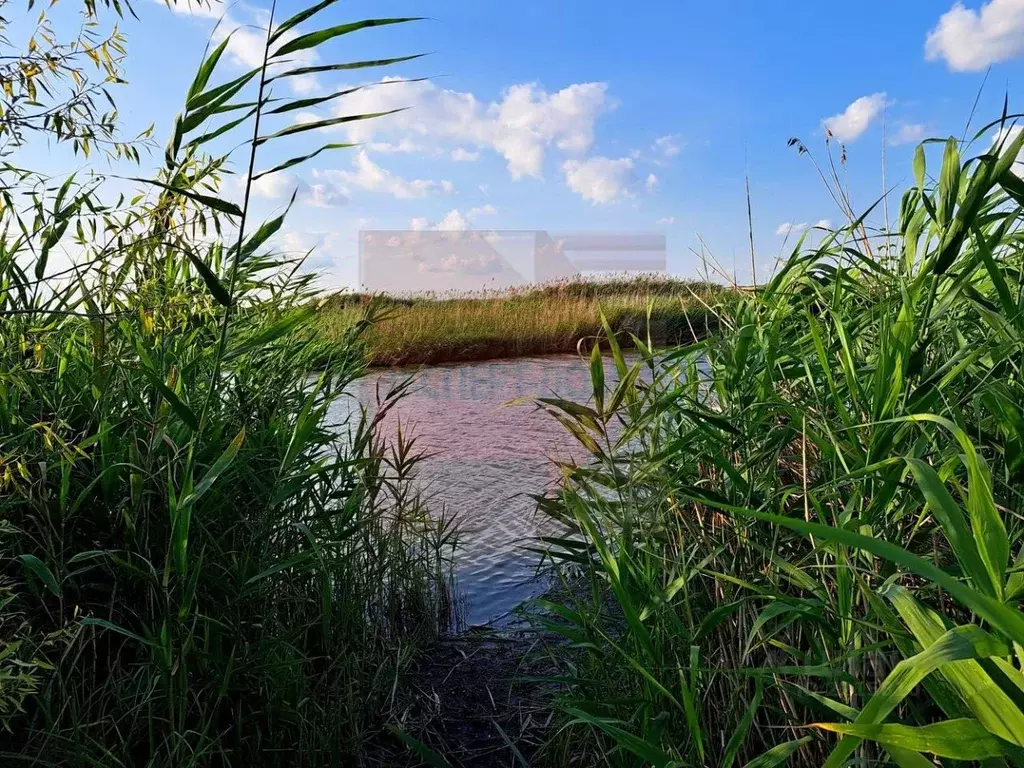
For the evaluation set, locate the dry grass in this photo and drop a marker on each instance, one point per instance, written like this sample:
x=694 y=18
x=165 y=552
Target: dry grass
x=536 y=320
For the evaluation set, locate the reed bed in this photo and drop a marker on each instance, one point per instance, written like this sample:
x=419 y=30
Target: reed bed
x=206 y=558
x=542 y=319
x=799 y=541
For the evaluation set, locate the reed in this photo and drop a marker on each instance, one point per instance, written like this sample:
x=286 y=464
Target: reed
x=534 y=320
x=799 y=541
x=206 y=558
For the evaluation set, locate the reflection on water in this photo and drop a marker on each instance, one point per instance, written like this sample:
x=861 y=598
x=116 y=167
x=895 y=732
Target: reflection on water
x=486 y=457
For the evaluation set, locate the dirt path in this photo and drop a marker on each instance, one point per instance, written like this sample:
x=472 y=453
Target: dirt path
x=468 y=702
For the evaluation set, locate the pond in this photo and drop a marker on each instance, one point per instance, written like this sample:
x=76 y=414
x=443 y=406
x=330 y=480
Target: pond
x=486 y=458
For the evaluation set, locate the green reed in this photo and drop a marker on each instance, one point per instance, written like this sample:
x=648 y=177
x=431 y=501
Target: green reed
x=206 y=556
x=800 y=539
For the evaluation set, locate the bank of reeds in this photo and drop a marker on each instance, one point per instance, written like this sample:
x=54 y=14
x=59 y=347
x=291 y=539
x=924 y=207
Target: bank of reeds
x=203 y=559
x=801 y=542
x=533 y=320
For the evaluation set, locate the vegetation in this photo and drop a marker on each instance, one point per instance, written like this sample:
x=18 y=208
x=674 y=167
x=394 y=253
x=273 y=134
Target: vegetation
x=542 y=319
x=193 y=570
x=800 y=540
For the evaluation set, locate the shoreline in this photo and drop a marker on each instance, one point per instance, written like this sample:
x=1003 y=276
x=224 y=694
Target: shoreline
x=537 y=320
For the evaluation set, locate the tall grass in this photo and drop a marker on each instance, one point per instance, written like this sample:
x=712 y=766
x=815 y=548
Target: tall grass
x=542 y=319
x=800 y=540
x=195 y=569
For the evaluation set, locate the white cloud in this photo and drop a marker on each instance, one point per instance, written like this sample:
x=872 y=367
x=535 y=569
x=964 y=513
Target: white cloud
x=454 y=220
x=521 y=127
x=463 y=155
x=405 y=145
x=787 y=228
x=667 y=146
x=855 y=119
x=482 y=210
x=970 y=40
x=908 y=133
x=276 y=185
x=600 y=179
x=369 y=176
x=651 y=183
x=667 y=220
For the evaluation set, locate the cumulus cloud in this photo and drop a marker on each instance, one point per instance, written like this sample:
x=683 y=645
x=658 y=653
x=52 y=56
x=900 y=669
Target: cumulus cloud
x=600 y=179
x=667 y=220
x=969 y=40
x=454 y=220
x=651 y=183
x=369 y=176
x=908 y=133
x=521 y=127
x=787 y=228
x=856 y=118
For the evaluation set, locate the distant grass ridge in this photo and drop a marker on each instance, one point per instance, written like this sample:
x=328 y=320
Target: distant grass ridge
x=533 y=320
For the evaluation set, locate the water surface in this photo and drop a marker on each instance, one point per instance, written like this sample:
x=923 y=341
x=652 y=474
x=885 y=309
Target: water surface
x=486 y=458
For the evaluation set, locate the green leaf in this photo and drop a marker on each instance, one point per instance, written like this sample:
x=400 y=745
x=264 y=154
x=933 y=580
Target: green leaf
x=231 y=88
x=211 y=202
x=206 y=68
x=367 y=64
x=184 y=412
x=206 y=137
x=266 y=231
x=962 y=739
x=313 y=39
x=42 y=572
x=739 y=735
x=303 y=127
x=597 y=378
x=301 y=159
x=215 y=471
x=778 y=754
x=219 y=292
x=986 y=522
x=1006 y=619
x=429 y=756
x=300 y=17
x=643 y=748
x=959 y=643
x=111 y=626
x=953 y=522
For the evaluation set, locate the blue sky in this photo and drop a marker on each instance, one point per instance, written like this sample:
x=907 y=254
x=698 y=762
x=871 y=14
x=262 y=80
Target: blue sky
x=574 y=115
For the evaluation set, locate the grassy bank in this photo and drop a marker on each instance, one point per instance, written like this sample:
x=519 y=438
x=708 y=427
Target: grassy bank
x=810 y=553
x=533 y=320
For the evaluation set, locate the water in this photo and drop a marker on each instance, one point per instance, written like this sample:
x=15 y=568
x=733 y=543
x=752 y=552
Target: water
x=486 y=457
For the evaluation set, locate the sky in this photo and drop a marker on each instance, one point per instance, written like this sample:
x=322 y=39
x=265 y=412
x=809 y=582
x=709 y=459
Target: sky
x=641 y=117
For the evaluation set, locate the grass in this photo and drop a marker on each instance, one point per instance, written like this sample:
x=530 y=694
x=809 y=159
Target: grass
x=533 y=320
x=799 y=541
x=205 y=558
